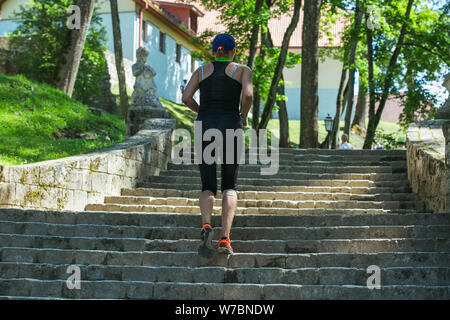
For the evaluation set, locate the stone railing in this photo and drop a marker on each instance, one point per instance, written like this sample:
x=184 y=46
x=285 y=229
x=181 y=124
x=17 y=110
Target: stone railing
x=73 y=182
x=427 y=169
x=446 y=131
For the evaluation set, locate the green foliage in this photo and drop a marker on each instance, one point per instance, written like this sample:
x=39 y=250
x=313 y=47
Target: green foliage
x=387 y=139
x=40 y=123
x=424 y=56
x=39 y=39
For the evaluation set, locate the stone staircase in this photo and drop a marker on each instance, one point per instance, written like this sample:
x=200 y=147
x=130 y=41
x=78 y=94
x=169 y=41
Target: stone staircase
x=309 y=232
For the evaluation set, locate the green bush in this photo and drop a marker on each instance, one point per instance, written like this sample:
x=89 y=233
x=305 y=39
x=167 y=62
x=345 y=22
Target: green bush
x=387 y=139
x=39 y=39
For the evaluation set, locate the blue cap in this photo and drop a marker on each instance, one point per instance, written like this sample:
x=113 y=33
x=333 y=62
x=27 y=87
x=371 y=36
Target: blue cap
x=223 y=40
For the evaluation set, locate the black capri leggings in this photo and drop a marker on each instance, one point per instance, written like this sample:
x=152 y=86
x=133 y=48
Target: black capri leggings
x=229 y=171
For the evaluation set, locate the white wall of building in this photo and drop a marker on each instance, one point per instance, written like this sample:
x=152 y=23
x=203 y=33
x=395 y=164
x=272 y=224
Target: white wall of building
x=329 y=77
x=169 y=73
x=129 y=28
x=7 y=26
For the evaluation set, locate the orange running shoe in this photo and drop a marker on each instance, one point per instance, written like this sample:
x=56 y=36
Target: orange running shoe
x=205 y=249
x=224 y=246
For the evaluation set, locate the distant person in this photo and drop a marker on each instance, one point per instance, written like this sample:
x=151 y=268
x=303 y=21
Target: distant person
x=401 y=143
x=378 y=147
x=344 y=144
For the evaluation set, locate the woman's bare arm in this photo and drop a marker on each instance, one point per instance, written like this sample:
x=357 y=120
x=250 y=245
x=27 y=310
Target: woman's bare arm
x=190 y=90
x=247 y=92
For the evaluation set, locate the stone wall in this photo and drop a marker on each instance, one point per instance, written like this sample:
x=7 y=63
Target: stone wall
x=446 y=131
x=73 y=182
x=427 y=170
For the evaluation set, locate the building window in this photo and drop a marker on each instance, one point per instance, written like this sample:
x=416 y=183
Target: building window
x=144 y=31
x=162 y=42
x=178 y=53
x=193 y=18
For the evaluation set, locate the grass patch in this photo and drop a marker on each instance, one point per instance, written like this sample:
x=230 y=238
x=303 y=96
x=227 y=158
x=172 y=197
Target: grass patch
x=39 y=123
x=185 y=118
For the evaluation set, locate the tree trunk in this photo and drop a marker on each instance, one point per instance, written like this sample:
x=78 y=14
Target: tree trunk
x=361 y=106
x=254 y=36
x=119 y=58
x=283 y=117
x=309 y=99
x=72 y=49
x=280 y=65
x=256 y=108
x=352 y=61
x=282 y=113
x=370 y=128
x=374 y=118
x=337 y=116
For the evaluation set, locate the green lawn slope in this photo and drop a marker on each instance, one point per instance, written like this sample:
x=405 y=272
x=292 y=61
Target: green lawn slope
x=40 y=123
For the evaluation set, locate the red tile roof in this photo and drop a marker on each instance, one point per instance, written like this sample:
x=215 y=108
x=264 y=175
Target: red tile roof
x=182 y=4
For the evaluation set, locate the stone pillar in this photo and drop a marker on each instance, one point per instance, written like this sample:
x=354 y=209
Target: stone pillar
x=428 y=158
x=444 y=113
x=446 y=132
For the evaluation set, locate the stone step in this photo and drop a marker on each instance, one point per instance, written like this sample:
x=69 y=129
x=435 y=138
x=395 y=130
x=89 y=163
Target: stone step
x=291 y=177
x=173 y=187
x=318 y=152
x=263 y=246
x=314 y=163
x=208 y=291
x=330 y=194
x=356 y=168
x=35 y=298
x=248 y=260
x=239 y=233
x=265 y=203
x=273 y=183
x=158 y=208
x=312 y=160
x=435 y=276
x=298 y=151
x=194 y=220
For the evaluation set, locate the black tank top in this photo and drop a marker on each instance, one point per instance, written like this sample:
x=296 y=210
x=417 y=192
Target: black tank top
x=219 y=93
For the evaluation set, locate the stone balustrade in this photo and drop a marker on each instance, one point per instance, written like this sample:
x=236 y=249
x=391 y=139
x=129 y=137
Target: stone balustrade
x=71 y=183
x=428 y=172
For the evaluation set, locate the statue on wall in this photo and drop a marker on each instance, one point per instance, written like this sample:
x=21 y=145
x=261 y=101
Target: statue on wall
x=144 y=101
x=144 y=87
x=444 y=111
